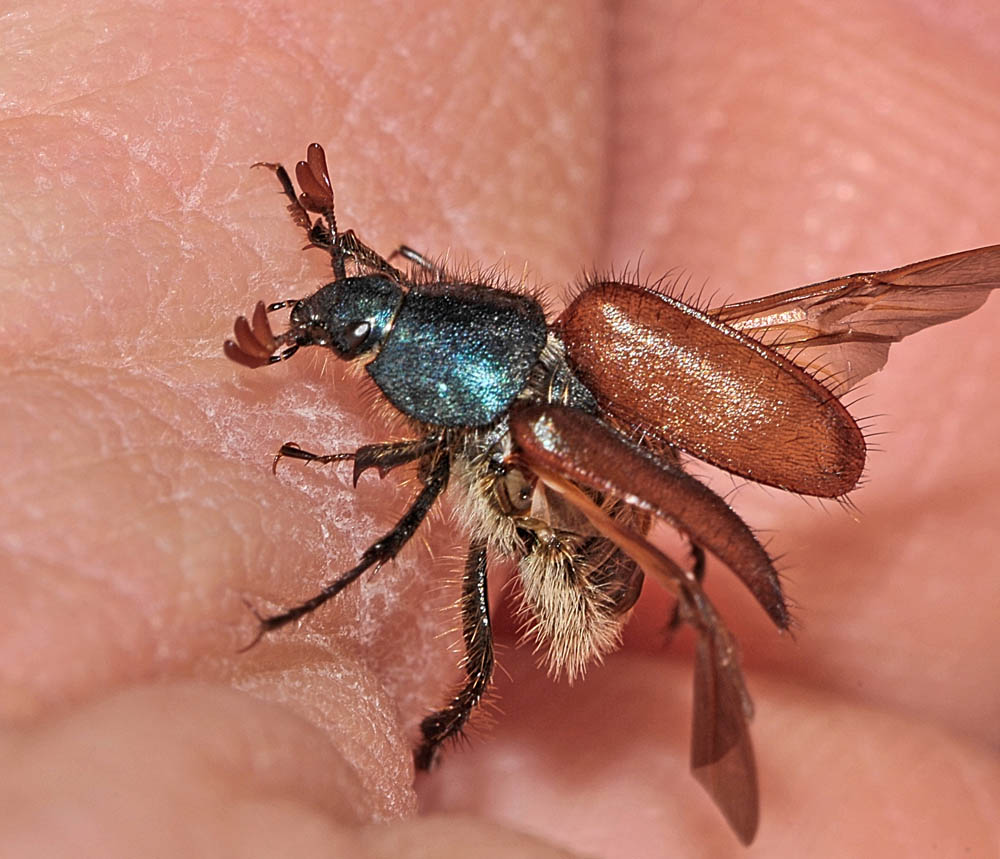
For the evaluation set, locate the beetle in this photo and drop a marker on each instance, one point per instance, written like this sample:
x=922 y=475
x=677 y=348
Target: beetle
x=563 y=439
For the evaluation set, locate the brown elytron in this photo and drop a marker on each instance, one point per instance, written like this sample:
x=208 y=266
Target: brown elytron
x=561 y=440
x=672 y=372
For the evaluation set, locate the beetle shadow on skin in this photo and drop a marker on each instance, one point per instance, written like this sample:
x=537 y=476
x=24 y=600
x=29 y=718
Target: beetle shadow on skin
x=565 y=739
x=600 y=712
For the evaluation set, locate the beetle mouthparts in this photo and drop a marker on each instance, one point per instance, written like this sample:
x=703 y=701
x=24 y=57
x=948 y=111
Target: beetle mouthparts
x=255 y=342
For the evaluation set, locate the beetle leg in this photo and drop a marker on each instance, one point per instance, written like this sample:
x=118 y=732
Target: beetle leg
x=297 y=211
x=316 y=195
x=321 y=233
x=292 y=451
x=418 y=259
x=348 y=245
x=477 y=632
x=375 y=555
x=384 y=457
x=698 y=571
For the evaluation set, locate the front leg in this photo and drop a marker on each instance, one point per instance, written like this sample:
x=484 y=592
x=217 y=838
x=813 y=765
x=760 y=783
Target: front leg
x=378 y=553
x=478 y=635
x=384 y=457
x=316 y=195
x=419 y=260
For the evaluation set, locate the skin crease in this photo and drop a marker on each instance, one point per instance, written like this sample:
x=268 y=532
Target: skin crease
x=757 y=151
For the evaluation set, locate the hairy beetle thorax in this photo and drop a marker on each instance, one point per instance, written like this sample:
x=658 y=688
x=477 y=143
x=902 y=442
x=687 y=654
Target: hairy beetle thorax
x=459 y=354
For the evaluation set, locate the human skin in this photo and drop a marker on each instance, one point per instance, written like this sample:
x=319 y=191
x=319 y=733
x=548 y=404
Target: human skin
x=754 y=151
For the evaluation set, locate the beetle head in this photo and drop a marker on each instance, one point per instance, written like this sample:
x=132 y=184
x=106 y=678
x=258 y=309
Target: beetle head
x=351 y=317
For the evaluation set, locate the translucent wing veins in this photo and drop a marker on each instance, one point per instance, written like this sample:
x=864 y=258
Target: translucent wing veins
x=846 y=326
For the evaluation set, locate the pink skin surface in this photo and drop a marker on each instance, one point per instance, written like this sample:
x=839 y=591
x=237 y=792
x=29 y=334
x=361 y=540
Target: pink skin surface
x=754 y=150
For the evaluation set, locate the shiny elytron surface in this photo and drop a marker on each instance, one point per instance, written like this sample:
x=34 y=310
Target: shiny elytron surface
x=660 y=365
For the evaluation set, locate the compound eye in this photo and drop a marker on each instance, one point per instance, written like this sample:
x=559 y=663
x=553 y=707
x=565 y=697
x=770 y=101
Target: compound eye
x=352 y=338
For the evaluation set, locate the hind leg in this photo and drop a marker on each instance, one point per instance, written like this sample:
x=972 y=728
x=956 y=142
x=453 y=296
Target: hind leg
x=477 y=632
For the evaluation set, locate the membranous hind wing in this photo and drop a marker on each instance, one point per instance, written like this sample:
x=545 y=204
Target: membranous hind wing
x=721 y=751
x=567 y=448
x=843 y=328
